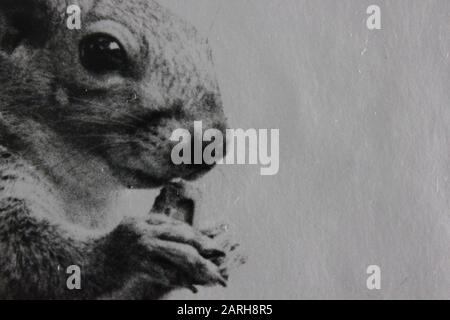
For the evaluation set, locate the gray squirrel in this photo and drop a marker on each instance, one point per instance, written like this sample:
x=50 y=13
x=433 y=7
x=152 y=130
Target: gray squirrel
x=85 y=114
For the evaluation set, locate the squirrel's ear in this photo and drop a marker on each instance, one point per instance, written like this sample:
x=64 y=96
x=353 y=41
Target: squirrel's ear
x=27 y=21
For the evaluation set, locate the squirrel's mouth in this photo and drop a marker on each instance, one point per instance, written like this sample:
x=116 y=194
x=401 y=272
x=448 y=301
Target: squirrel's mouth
x=140 y=179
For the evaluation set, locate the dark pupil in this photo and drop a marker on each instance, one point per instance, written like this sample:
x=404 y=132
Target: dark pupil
x=102 y=54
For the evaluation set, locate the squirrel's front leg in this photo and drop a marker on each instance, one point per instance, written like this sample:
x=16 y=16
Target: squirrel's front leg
x=36 y=255
x=161 y=254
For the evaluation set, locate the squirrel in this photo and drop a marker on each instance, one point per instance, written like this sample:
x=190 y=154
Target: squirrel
x=84 y=115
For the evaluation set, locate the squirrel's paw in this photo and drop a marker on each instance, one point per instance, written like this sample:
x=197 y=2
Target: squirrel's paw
x=175 y=254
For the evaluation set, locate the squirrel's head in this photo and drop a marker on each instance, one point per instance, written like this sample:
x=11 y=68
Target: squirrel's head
x=118 y=87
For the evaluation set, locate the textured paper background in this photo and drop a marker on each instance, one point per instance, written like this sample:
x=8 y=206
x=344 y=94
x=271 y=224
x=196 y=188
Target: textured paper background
x=364 y=119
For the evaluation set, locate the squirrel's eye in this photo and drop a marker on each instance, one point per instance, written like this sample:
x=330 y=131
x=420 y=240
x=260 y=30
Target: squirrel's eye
x=100 y=53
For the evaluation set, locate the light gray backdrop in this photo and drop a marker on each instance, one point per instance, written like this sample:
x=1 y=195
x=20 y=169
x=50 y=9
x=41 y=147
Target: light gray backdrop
x=364 y=118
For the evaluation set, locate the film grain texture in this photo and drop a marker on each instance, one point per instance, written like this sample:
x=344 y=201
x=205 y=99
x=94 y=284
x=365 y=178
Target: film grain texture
x=108 y=190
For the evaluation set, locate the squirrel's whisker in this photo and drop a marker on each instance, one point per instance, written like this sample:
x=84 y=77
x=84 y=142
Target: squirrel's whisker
x=103 y=107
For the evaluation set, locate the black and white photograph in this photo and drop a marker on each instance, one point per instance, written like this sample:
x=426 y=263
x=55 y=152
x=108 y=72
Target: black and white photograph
x=214 y=150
